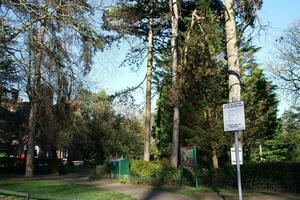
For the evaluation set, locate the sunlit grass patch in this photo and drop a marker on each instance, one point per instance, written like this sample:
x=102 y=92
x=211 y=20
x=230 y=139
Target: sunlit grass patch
x=56 y=188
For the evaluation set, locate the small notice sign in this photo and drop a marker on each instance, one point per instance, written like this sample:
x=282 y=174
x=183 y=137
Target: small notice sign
x=234 y=116
x=233 y=156
x=187 y=156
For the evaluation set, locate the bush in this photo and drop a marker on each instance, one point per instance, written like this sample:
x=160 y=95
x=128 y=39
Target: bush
x=101 y=171
x=154 y=172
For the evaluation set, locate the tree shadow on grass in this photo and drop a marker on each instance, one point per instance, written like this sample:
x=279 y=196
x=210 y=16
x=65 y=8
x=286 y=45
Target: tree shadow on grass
x=217 y=191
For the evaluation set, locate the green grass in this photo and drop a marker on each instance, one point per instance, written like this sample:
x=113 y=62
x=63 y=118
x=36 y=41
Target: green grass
x=202 y=192
x=55 y=188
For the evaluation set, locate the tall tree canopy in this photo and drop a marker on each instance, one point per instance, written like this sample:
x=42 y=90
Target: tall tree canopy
x=287 y=66
x=61 y=41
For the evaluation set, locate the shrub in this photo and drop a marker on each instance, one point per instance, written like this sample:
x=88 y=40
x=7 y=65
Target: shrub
x=155 y=172
x=101 y=171
x=143 y=169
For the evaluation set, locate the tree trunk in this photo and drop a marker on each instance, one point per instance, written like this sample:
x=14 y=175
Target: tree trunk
x=35 y=102
x=187 y=38
x=260 y=153
x=30 y=144
x=232 y=56
x=148 y=89
x=215 y=159
x=232 y=53
x=173 y=5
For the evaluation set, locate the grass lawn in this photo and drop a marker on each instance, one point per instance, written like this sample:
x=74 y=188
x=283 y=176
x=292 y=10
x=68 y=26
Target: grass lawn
x=56 y=188
x=203 y=193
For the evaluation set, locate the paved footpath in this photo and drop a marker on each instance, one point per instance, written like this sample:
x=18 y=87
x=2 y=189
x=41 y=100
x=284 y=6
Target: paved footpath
x=150 y=193
x=138 y=192
x=142 y=193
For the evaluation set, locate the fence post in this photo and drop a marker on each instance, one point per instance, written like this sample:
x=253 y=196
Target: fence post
x=26 y=196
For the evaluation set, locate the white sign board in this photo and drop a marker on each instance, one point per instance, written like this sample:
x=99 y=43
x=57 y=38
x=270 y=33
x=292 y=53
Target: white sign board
x=234 y=116
x=233 y=156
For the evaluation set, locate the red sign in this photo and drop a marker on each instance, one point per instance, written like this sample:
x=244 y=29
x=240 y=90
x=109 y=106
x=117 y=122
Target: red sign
x=187 y=156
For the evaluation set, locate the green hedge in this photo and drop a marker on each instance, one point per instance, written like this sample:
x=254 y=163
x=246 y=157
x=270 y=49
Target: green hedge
x=257 y=176
x=142 y=172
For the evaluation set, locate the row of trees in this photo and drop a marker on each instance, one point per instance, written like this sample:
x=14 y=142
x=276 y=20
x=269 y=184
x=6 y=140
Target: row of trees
x=199 y=32
x=191 y=47
x=47 y=48
x=192 y=60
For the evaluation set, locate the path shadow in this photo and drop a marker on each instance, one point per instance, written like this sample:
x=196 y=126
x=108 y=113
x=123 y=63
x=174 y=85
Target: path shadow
x=159 y=192
x=216 y=190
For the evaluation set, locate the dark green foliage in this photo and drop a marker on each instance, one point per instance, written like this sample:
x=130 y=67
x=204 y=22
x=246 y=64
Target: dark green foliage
x=257 y=176
x=131 y=18
x=277 y=149
x=291 y=121
x=260 y=103
x=11 y=124
x=204 y=91
x=285 y=145
x=8 y=69
x=201 y=84
x=163 y=128
x=99 y=133
x=246 y=10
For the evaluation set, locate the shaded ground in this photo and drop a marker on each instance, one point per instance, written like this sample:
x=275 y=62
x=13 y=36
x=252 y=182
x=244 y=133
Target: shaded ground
x=151 y=193
x=141 y=193
x=255 y=196
x=185 y=193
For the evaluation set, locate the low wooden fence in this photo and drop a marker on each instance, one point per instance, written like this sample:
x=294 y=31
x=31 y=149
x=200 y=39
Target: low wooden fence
x=28 y=196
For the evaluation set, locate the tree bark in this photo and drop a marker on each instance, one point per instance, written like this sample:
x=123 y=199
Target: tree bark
x=173 y=5
x=35 y=102
x=232 y=57
x=187 y=38
x=30 y=144
x=148 y=89
x=215 y=159
x=232 y=53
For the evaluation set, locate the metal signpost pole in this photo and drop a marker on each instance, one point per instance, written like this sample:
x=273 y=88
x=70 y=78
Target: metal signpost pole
x=234 y=120
x=195 y=166
x=238 y=164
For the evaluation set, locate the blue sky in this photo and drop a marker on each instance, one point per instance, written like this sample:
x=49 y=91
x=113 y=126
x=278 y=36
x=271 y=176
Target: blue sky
x=277 y=14
x=106 y=74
